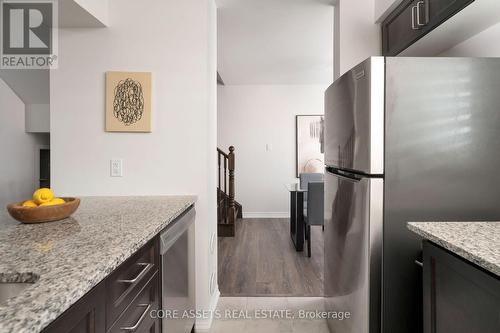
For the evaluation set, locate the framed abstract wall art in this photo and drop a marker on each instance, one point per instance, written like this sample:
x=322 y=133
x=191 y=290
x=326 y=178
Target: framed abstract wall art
x=128 y=102
x=309 y=144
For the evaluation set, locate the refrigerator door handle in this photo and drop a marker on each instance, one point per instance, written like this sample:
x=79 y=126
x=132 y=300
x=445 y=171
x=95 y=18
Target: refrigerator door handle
x=343 y=174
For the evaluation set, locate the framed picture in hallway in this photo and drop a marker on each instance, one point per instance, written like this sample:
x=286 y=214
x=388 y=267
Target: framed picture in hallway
x=128 y=102
x=309 y=144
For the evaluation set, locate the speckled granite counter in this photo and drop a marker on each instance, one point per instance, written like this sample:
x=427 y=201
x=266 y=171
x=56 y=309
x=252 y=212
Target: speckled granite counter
x=478 y=242
x=69 y=257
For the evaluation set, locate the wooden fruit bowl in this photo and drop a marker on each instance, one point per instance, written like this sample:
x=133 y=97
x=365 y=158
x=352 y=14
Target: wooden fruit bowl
x=43 y=213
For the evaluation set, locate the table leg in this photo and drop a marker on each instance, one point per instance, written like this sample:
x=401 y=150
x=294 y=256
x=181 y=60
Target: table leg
x=299 y=226
x=293 y=216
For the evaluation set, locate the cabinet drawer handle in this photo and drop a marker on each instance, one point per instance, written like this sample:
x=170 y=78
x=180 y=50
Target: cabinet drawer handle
x=141 y=318
x=413 y=14
x=418 y=6
x=419 y=263
x=147 y=267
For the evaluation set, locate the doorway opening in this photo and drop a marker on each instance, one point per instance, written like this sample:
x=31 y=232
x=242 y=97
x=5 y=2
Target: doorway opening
x=275 y=60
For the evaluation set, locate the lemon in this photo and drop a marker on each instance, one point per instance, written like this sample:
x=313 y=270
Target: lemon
x=42 y=195
x=53 y=202
x=29 y=203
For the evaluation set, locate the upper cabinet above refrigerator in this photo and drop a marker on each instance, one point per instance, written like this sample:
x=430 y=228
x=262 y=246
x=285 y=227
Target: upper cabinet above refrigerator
x=413 y=19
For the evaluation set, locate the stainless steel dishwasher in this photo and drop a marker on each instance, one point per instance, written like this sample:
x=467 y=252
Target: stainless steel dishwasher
x=178 y=274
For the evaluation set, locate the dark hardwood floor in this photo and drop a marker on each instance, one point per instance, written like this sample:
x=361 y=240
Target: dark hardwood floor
x=261 y=261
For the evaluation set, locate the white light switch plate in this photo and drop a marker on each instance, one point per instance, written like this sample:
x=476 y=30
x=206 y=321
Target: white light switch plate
x=116 y=167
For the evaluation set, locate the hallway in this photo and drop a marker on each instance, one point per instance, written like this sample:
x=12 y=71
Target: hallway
x=261 y=261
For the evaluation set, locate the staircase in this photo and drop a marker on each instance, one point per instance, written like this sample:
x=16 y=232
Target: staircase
x=228 y=209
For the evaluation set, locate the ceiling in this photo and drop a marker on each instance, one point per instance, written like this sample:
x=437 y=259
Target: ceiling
x=82 y=13
x=32 y=86
x=275 y=41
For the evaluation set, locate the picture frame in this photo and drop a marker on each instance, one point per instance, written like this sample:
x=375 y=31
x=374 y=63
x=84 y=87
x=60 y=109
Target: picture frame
x=309 y=144
x=128 y=102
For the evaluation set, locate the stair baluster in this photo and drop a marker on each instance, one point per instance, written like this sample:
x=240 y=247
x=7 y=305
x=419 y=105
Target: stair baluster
x=231 y=205
x=228 y=210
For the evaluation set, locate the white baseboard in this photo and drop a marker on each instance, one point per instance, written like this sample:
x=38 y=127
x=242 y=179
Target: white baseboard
x=266 y=215
x=204 y=325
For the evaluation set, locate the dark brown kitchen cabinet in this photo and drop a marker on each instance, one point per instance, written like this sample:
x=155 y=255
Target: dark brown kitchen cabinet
x=397 y=33
x=85 y=316
x=123 y=285
x=413 y=19
x=137 y=318
x=459 y=297
x=122 y=302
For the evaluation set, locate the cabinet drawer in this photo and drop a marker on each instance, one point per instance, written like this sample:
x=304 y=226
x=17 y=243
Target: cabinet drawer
x=413 y=19
x=441 y=10
x=398 y=29
x=137 y=317
x=123 y=285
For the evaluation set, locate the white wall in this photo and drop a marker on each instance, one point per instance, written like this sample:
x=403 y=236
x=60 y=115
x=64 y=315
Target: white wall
x=37 y=118
x=357 y=37
x=17 y=170
x=210 y=229
x=31 y=86
x=484 y=44
x=275 y=42
x=249 y=117
x=174 y=40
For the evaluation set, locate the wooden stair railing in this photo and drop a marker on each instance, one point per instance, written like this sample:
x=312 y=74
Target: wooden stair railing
x=228 y=209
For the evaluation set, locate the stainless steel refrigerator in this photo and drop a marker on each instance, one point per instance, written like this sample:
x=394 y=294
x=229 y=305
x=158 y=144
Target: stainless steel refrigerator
x=406 y=139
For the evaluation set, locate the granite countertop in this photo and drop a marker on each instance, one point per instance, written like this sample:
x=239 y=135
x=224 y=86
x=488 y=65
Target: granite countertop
x=69 y=257
x=478 y=242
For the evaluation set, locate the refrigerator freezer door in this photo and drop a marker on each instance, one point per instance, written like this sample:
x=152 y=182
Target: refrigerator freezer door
x=353 y=231
x=354 y=119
